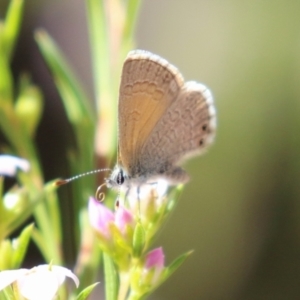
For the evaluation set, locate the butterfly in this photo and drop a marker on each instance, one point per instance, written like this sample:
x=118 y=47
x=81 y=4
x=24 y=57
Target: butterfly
x=162 y=121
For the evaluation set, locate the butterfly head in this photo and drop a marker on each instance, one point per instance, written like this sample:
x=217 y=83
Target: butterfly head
x=117 y=178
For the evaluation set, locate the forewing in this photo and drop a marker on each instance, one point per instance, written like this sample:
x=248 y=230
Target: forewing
x=187 y=128
x=149 y=85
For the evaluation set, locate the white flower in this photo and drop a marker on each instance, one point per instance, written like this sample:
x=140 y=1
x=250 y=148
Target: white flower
x=145 y=197
x=9 y=165
x=41 y=282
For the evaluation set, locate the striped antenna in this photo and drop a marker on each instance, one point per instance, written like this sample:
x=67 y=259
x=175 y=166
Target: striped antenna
x=65 y=181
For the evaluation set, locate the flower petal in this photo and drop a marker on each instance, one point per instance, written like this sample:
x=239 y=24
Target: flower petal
x=123 y=217
x=38 y=285
x=155 y=258
x=9 y=165
x=63 y=272
x=100 y=216
x=9 y=276
x=43 y=282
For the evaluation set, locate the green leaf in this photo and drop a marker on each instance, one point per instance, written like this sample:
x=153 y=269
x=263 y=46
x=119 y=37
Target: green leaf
x=6 y=251
x=80 y=115
x=176 y=264
x=21 y=246
x=98 y=32
x=139 y=240
x=86 y=292
x=104 y=61
x=26 y=207
x=174 y=196
x=11 y=27
x=111 y=280
x=168 y=272
x=29 y=105
x=6 y=85
x=47 y=235
x=15 y=218
x=74 y=98
x=133 y=7
x=7 y=293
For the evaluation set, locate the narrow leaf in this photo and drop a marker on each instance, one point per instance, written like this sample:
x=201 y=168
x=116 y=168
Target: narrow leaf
x=73 y=96
x=111 y=280
x=22 y=244
x=86 y=292
x=176 y=264
x=133 y=7
x=139 y=240
x=12 y=27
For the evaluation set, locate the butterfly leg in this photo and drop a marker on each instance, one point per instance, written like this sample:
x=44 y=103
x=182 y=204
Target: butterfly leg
x=139 y=201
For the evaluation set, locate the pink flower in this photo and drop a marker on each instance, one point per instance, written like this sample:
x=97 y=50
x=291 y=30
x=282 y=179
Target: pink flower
x=101 y=217
x=123 y=217
x=154 y=266
x=155 y=259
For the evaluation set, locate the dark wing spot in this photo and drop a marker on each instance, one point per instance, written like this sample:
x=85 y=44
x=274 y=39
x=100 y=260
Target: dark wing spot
x=167 y=78
x=204 y=127
x=201 y=142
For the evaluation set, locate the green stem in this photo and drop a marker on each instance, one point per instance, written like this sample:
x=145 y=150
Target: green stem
x=134 y=296
x=124 y=285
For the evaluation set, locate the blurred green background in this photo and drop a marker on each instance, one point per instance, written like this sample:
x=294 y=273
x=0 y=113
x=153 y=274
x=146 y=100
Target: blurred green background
x=241 y=210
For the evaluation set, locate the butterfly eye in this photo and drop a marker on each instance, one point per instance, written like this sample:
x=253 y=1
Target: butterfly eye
x=120 y=178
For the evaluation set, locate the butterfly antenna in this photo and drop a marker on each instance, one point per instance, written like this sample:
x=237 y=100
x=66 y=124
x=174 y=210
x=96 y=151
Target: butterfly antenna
x=65 y=181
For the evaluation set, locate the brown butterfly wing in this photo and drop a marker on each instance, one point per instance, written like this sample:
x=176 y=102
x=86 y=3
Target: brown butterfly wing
x=187 y=128
x=149 y=85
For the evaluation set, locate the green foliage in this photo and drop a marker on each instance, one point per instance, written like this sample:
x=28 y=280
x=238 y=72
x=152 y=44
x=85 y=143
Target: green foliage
x=86 y=292
x=12 y=252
